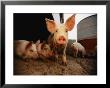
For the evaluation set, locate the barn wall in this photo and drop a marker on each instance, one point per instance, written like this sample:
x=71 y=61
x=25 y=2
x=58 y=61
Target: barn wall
x=87 y=32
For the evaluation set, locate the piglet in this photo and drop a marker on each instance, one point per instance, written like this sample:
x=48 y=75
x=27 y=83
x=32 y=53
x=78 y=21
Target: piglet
x=44 y=51
x=58 y=38
x=26 y=49
x=78 y=49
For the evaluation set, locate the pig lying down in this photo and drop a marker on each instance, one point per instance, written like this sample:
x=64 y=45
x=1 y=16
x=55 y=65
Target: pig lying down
x=59 y=36
x=78 y=49
x=44 y=50
x=29 y=50
x=25 y=49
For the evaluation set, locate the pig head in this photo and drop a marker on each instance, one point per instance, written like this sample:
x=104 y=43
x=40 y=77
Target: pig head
x=44 y=50
x=59 y=36
x=30 y=51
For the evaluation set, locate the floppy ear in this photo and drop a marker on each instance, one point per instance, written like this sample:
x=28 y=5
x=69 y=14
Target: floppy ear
x=70 y=22
x=51 y=26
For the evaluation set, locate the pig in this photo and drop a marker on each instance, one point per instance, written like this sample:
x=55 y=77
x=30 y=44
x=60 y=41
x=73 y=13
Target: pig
x=58 y=38
x=44 y=51
x=26 y=49
x=78 y=49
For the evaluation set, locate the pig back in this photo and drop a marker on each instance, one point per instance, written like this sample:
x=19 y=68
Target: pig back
x=19 y=46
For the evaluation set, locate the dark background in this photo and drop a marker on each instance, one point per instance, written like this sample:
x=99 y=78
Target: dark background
x=31 y=26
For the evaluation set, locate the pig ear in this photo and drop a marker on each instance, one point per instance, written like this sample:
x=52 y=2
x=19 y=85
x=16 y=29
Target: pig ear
x=51 y=26
x=29 y=45
x=38 y=41
x=70 y=22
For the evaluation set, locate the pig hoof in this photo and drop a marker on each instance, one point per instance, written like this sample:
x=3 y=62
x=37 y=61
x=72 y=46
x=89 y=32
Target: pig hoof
x=65 y=63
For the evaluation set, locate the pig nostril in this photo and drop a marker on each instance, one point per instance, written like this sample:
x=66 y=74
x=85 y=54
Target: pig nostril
x=62 y=38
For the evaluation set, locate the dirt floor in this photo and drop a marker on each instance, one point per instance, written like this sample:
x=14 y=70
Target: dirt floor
x=75 y=66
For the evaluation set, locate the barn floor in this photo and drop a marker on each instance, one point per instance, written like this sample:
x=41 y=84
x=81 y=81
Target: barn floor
x=75 y=66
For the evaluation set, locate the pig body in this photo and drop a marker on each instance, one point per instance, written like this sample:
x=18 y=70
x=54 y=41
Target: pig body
x=25 y=49
x=59 y=36
x=78 y=49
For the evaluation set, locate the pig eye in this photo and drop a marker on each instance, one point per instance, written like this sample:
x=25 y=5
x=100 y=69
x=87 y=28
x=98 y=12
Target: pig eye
x=66 y=31
x=56 y=31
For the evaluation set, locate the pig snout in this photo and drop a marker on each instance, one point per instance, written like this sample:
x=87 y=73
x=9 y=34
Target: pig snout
x=34 y=55
x=61 y=40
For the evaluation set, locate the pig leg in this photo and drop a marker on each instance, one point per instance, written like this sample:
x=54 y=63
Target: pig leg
x=64 y=57
x=83 y=53
x=76 y=53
